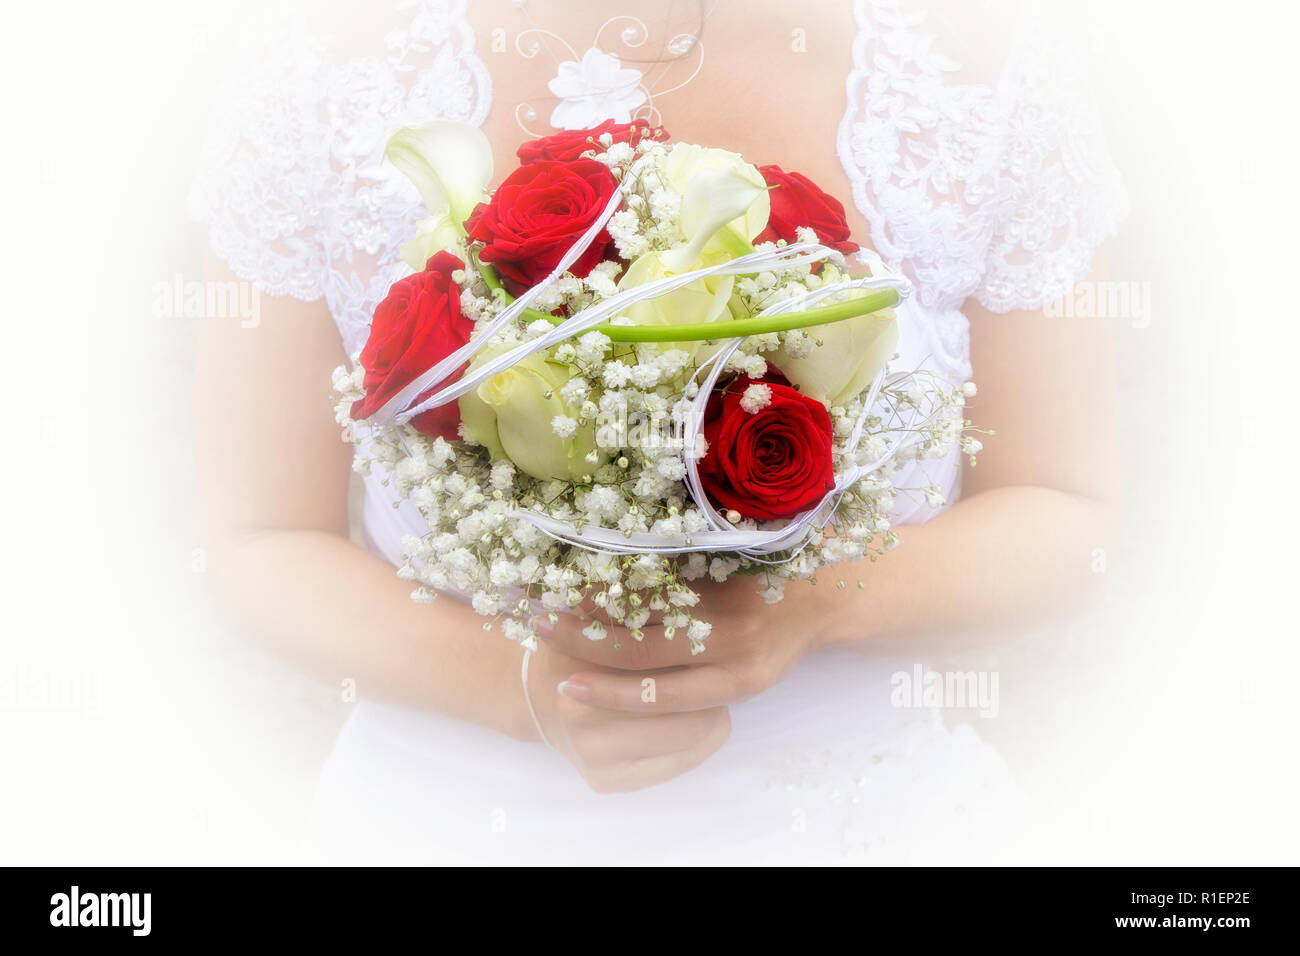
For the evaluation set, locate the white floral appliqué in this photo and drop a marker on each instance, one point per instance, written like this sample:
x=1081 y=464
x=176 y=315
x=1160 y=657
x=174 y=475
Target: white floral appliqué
x=593 y=90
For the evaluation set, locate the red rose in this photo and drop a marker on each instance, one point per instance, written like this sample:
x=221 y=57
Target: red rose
x=571 y=144
x=538 y=213
x=798 y=201
x=418 y=324
x=772 y=463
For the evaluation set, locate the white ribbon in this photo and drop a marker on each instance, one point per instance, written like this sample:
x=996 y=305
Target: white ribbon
x=784 y=258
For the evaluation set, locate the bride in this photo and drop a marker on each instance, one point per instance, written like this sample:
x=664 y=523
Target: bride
x=972 y=156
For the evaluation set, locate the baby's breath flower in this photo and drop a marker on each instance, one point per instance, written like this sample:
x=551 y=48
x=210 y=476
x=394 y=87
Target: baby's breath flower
x=721 y=568
x=664 y=205
x=799 y=344
x=616 y=374
x=487 y=604
x=618 y=154
x=591 y=347
x=564 y=426
x=536 y=329
x=575 y=391
x=671 y=468
x=698 y=630
x=631 y=523
x=669 y=527
x=756 y=398
x=645 y=376
x=695 y=566
x=602 y=283
x=503 y=475
x=672 y=361
x=603 y=501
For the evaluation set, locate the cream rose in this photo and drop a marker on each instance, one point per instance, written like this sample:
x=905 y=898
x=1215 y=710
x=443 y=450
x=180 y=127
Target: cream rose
x=514 y=412
x=849 y=356
x=704 y=300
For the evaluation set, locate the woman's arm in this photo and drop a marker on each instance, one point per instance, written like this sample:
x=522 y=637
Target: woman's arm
x=274 y=475
x=1020 y=546
x=1021 y=543
x=273 y=485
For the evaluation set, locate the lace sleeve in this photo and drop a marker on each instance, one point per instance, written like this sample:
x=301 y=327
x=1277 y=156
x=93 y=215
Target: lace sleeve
x=257 y=188
x=1059 y=193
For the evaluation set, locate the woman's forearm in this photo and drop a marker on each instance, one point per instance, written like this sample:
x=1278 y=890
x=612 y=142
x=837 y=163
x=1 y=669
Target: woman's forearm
x=343 y=614
x=993 y=564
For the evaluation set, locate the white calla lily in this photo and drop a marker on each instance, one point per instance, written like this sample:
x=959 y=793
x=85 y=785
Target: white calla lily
x=713 y=183
x=450 y=163
x=714 y=199
x=432 y=235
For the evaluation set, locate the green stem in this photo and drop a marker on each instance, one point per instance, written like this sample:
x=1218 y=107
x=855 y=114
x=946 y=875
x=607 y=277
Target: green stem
x=758 y=325
x=493 y=281
x=703 y=331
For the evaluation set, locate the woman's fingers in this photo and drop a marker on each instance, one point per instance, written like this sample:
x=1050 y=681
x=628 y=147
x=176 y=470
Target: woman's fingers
x=618 y=648
x=650 y=769
x=613 y=743
x=683 y=689
x=617 y=750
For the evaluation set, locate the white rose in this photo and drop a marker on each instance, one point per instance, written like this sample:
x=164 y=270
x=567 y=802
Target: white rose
x=849 y=356
x=512 y=414
x=704 y=300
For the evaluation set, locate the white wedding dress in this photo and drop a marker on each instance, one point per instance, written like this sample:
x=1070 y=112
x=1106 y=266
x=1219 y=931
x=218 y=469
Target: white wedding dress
x=998 y=191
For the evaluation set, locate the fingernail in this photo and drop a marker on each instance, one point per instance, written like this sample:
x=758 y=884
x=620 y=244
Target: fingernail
x=573 y=689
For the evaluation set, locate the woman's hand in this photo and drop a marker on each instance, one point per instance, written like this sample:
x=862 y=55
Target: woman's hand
x=752 y=646
x=615 y=749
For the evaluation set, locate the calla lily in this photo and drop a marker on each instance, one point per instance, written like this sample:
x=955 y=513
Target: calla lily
x=450 y=163
x=723 y=198
x=713 y=201
x=849 y=356
x=432 y=235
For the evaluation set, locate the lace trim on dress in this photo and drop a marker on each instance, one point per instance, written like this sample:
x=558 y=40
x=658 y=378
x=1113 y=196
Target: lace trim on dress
x=1002 y=192
x=1064 y=196
x=292 y=182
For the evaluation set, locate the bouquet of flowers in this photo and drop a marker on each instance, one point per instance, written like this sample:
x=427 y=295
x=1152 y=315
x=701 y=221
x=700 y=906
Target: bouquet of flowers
x=634 y=364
